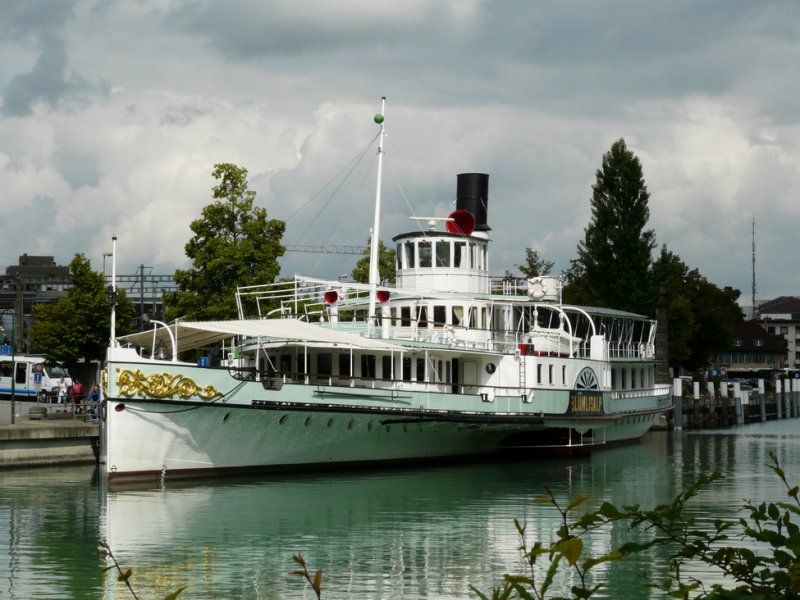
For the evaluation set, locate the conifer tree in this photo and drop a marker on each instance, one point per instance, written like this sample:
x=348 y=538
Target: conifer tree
x=614 y=259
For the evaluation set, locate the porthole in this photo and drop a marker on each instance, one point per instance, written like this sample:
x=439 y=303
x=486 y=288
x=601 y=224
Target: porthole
x=330 y=422
x=226 y=417
x=307 y=422
x=282 y=420
x=490 y=368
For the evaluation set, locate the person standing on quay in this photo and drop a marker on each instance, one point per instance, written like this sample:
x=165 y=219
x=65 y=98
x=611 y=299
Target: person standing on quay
x=62 y=391
x=78 y=393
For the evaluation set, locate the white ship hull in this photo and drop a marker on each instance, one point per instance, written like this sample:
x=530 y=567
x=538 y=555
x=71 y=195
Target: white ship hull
x=253 y=429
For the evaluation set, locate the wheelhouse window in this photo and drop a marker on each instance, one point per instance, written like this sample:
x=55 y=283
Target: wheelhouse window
x=405 y=316
x=424 y=249
x=399 y=256
x=460 y=255
x=443 y=254
x=422 y=315
x=408 y=253
x=420 y=369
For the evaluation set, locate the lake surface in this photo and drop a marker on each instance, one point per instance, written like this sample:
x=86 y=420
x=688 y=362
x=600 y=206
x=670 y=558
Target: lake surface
x=416 y=533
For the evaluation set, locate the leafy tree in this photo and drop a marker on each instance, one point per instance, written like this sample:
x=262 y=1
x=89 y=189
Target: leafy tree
x=386 y=264
x=701 y=315
x=78 y=326
x=613 y=264
x=534 y=265
x=234 y=244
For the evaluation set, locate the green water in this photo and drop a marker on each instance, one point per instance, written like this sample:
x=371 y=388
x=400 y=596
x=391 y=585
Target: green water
x=421 y=533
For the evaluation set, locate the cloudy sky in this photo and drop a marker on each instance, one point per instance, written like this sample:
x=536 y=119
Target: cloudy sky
x=113 y=113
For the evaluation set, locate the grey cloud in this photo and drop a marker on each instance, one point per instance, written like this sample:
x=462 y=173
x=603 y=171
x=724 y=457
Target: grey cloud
x=49 y=81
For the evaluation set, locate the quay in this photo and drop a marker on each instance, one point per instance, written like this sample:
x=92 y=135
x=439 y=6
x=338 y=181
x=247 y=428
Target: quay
x=51 y=438
x=714 y=407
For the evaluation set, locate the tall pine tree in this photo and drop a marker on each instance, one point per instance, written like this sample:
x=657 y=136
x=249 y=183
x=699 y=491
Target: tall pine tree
x=614 y=259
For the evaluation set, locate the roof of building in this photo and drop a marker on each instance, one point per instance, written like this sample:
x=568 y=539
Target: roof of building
x=753 y=337
x=788 y=307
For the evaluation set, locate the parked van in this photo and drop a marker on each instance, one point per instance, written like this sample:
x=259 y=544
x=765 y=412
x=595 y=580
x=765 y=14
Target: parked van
x=31 y=375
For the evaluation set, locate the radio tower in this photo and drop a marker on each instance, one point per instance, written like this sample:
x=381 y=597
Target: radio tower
x=754 y=265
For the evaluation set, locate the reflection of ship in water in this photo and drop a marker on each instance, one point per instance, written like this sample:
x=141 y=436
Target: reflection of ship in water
x=411 y=533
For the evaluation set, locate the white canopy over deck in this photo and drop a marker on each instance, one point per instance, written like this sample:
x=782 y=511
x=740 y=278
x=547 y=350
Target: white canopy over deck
x=198 y=334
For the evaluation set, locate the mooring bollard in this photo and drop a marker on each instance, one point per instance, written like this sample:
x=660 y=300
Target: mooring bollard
x=677 y=400
x=737 y=404
x=762 y=401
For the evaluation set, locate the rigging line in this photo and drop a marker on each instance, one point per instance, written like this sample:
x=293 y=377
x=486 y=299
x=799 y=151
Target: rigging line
x=355 y=160
x=418 y=223
x=353 y=164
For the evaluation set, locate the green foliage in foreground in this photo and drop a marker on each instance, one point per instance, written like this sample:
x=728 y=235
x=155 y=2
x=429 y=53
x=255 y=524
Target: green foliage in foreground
x=769 y=574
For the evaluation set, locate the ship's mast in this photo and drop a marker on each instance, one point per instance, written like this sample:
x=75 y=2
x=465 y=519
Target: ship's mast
x=754 y=265
x=374 y=276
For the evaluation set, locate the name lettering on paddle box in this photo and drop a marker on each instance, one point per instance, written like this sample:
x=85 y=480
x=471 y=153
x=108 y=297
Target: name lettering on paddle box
x=585 y=403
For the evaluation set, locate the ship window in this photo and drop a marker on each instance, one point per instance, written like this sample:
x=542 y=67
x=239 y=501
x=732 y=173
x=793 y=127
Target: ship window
x=460 y=255
x=484 y=258
x=538 y=373
x=406 y=368
x=344 y=365
x=408 y=250
x=405 y=316
x=424 y=254
x=622 y=375
x=420 y=369
x=563 y=375
x=447 y=371
x=368 y=365
x=286 y=364
x=474 y=261
x=422 y=315
x=550 y=374
x=399 y=256
x=613 y=378
x=386 y=366
x=325 y=363
x=439 y=316
x=458 y=316
x=443 y=254
x=5 y=369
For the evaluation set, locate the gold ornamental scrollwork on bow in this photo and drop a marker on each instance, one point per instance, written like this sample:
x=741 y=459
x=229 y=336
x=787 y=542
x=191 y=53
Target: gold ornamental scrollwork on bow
x=161 y=385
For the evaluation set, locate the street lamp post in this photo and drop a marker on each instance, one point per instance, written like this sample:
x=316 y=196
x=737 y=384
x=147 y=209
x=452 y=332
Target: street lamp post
x=13 y=360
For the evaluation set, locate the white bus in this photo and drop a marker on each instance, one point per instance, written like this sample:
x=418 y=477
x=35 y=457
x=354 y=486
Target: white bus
x=31 y=375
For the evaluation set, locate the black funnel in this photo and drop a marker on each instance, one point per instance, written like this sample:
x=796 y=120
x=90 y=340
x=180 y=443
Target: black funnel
x=472 y=194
